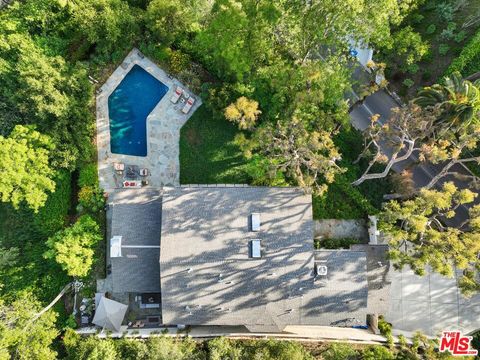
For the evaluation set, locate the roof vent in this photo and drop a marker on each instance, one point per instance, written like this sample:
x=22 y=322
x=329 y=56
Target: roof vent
x=255 y=249
x=255 y=221
x=321 y=270
x=116 y=247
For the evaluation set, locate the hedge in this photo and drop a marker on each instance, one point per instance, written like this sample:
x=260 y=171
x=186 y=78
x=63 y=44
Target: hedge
x=468 y=62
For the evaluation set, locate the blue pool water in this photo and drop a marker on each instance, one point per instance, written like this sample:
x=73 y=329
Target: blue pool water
x=128 y=107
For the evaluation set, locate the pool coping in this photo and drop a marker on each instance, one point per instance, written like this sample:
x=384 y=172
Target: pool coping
x=163 y=128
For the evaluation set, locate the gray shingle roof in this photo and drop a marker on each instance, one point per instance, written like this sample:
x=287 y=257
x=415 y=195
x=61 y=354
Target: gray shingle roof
x=207 y=276
x=136 y=216
x=378 y=277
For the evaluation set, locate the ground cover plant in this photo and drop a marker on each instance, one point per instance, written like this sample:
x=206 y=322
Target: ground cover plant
x=428 y=40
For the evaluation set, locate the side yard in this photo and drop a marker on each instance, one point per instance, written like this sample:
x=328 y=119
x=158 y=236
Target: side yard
x=208 y=154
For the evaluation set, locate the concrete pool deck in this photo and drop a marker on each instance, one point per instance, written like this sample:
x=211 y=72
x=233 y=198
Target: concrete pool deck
x=163 y=129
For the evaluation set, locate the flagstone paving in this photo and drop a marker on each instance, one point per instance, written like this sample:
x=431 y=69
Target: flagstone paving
x=163 y=129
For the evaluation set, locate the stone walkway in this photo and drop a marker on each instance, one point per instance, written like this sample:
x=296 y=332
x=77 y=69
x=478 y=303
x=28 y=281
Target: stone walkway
x=163 y=129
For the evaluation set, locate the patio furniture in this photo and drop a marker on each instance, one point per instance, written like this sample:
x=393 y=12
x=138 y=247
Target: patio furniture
x=143 y=172
x=188 y=105
x=119 y=167
x=138 y=324
x=132 y=171
x=176 y=95
x=132 y=184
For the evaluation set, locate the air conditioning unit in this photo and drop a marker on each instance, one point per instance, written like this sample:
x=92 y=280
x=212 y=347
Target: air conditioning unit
x=321 y=270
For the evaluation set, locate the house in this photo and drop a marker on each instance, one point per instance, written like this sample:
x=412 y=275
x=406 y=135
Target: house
x=232 y=255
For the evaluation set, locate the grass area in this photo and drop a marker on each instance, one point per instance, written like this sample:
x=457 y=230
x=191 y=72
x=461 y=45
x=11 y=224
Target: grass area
x=208 y=154
x=430 y=24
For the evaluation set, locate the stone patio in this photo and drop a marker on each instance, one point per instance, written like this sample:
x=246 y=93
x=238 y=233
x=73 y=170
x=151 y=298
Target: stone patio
x=163 y=129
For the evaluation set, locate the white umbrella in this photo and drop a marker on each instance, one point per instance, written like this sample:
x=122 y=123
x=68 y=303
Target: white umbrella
x=109 y=314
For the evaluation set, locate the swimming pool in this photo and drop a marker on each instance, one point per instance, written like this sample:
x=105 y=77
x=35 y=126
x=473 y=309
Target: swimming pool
x=128 y=107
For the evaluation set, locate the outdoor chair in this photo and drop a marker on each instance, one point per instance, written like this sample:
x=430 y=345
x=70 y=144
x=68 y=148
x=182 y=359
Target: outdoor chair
x=176 y=95
x=188 y=105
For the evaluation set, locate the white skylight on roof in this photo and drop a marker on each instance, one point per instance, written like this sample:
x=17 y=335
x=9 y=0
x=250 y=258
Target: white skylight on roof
x=255 y=249
x=255 y=222
x=116 y=247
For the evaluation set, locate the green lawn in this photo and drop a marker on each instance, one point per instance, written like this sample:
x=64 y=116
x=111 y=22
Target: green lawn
x=208 y=155
x=207 y=152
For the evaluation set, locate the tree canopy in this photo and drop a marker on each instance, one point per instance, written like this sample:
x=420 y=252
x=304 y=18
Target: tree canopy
x=72 y=248
x=419 y=235
x=22 y=339
x=24 y=163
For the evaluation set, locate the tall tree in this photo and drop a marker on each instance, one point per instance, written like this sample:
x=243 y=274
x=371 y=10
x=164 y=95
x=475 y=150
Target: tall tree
x=72 y=248
x=439 y=126
x=418 y=236
x=238 y=37
x=244 y=112
x=106 y=25
x=21 y=339
x=457 y=99
x=24 y=165
x=308 y=157
x=47 y=91
x=171 y=21
x=307 y=26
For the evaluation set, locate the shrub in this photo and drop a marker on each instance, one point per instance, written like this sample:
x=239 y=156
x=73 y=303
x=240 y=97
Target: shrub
x=88 y=175
x=431 y=29
x=157 y=52
x=445 y=11
x=178 y=61
x=130 y=349
x=449 y=32
x=407 y=47
x=90 y=200
x=339 y=351
x=70 y=323
x=413 y=69
x=385 y=329
x=377 y=352
x=460 y=36
x=469 y=60
x=443 y=49
x=343 y=243
x=408 y=82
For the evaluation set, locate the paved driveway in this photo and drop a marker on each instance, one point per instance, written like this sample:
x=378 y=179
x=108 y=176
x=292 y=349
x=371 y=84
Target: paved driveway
x=431 y=303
